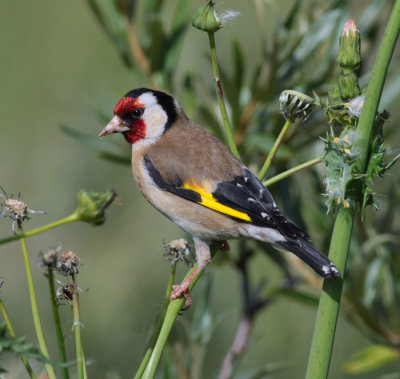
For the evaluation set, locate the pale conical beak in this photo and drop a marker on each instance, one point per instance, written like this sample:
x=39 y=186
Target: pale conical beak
x=116 y=125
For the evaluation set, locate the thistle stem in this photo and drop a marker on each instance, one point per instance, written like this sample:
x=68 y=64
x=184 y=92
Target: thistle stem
x=293 y=170
x=274 y=149
x=57 y=323
x=71 y=218
x=77 y=331
x=172 y=312
x=220 y=96
x=160 y=322
x=13 y=335
x=324 y=332
x=35 y=311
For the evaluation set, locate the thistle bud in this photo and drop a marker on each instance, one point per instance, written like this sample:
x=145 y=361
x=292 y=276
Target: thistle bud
x=206 y=18
x=349 y=58
x=295 y=105
x=92 y=205
x=348 y=85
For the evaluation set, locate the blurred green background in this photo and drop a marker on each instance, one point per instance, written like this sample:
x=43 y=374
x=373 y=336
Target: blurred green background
x=58 y=68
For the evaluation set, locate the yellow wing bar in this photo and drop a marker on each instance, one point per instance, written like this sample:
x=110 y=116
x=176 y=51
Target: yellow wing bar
x=208 y=200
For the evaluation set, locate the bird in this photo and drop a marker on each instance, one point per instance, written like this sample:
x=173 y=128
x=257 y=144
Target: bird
x=193 y=179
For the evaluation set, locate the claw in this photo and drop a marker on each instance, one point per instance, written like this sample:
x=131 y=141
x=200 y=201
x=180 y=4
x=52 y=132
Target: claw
x=183 y=289
x=178 y=291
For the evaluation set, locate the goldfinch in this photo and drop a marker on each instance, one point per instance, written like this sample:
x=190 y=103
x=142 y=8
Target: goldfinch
x=194 y=180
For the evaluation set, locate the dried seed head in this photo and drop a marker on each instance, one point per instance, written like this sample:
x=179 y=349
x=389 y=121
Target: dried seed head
x=295 y=105
x=18 y=207
x=68 y=264
x=49 y=259
x=65 y=292
x=177 y=250
x=15 y=208
x=1 y=282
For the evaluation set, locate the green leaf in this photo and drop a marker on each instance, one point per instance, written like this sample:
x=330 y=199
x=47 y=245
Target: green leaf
x=371 y=358
x=319 y=32
x=295 y=294
x=189 y=97
x=264 y=143
x=175 y=38
x=111 y=19
x=105 y=149
x=211 y=121
x=158 y=42
x=18 y=346
x=202 y=325
x=238 y=65
x=369 y=14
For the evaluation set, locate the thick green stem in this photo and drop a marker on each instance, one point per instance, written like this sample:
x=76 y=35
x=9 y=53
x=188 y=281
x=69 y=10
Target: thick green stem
x=57 y=323
x=13 y=335
x=71 y=218
x=35 y=310
x=274 y=149
x=160 y=322
x=294 y=170
x=220 y=96
x=324 y=333
x=172 y=312
x=77 y=331
x=329 y=303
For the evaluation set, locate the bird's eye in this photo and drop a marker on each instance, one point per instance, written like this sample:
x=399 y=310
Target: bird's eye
x=137 y=113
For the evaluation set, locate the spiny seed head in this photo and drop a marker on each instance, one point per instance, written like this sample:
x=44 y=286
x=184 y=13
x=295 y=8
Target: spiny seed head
x=177 y=250
x=295 y=105
x=92 y=205
x=68 y=264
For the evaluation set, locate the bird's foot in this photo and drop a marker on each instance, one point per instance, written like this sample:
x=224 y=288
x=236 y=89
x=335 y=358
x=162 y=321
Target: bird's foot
x=182 y=290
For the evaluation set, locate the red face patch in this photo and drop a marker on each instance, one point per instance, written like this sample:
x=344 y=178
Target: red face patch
x=127 y=105
x=137 y=133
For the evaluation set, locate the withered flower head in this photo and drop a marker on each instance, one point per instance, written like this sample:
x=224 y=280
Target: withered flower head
x=49 y=259
x=177 y=250
x=65 y=292
x=15 y=208
x=67 y=264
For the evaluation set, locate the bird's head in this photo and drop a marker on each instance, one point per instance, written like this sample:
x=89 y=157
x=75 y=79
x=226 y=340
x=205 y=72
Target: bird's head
x=142 y=115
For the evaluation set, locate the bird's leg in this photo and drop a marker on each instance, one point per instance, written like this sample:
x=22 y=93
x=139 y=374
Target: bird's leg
x=203 y=257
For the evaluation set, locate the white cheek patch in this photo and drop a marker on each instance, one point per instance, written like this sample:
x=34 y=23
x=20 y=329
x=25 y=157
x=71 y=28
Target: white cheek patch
x=154 y=117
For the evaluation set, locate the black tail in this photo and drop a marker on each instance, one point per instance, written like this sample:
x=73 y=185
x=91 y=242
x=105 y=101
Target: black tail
x=310 y=255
